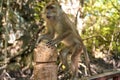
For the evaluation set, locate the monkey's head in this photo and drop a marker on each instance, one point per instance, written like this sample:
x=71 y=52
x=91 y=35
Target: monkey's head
x=52 y=11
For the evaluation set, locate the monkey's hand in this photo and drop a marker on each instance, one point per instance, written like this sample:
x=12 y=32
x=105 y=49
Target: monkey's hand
x=42 y=37
x=51 y=43
x=58 y=39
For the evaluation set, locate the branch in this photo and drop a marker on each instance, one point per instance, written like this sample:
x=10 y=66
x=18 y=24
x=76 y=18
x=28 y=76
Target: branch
x=115 y=7
x=95 y=36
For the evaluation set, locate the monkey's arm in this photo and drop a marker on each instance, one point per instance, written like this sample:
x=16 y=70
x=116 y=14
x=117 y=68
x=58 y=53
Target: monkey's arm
x=59 y=38
x=49 y=35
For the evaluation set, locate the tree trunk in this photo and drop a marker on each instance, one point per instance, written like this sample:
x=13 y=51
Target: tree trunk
x=45 y=58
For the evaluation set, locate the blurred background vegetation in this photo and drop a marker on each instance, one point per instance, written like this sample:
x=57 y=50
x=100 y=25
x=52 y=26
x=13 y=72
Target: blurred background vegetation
x=98 y=22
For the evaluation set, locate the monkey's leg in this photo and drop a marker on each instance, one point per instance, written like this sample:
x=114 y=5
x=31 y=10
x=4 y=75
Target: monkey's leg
x=75 y=60
x=63 y=55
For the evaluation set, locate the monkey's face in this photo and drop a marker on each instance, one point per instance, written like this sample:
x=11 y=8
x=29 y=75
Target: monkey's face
x=51 y=11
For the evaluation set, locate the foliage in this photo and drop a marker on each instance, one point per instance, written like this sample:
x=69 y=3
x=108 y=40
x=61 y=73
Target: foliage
x=102 y=19
x=20 y=22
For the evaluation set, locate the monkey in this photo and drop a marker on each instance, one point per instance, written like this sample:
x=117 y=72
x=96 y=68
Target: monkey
x=60 y=29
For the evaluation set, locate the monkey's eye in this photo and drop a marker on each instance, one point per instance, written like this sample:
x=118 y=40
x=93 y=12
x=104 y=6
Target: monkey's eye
x=50 y=7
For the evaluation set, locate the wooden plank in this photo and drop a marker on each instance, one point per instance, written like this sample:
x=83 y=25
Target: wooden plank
x=106 y=75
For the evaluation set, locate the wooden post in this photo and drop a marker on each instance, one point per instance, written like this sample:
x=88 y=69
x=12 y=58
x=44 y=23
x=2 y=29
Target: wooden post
x=45 y=58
